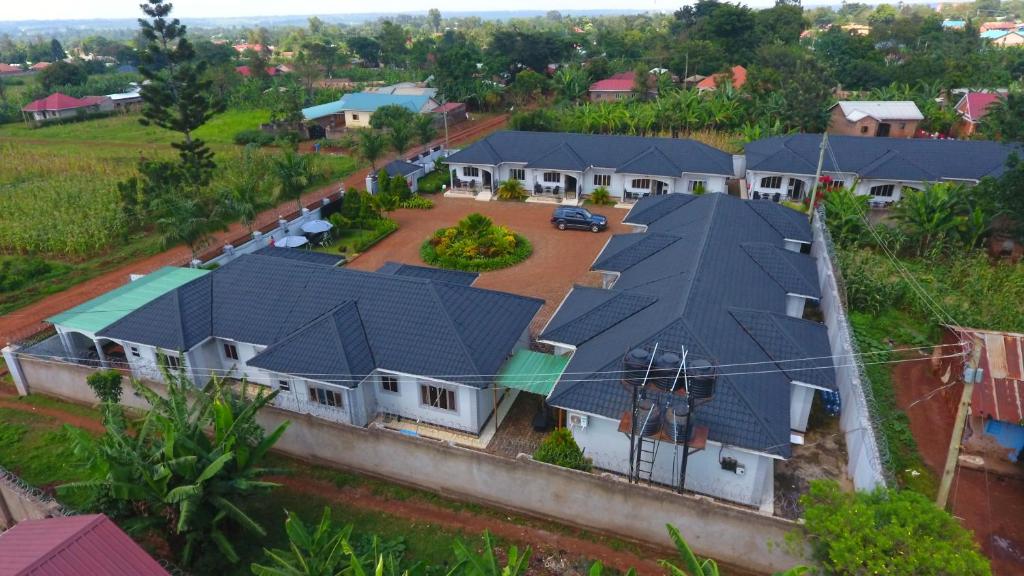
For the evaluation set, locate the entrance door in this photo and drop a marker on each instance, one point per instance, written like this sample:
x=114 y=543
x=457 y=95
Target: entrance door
x=486 y=178
x=795 y=190
x=570 y=186
x=658 y=187
x=883 y=130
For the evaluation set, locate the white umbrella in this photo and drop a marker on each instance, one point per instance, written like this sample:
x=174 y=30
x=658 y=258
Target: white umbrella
x=291 y=242
x=316 y=226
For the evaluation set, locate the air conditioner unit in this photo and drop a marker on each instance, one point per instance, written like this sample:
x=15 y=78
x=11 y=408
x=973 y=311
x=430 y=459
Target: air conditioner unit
x=578 y=421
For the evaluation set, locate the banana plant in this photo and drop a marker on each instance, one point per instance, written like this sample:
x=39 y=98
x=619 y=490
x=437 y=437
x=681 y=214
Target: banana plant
x=694 y=566
x=486 y=564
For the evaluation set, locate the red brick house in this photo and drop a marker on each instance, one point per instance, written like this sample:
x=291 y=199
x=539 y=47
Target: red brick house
x=972 y=108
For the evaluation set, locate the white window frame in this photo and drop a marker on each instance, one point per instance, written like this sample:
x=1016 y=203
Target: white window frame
x=692 y=184
x=552 y=177
x=284 y=385
x=771 y=182
x=470 y=171
x=602 y=180
x=173 y=362
x=882 y=191
x=385 y=379
x=640 y=183
x=135 y=351
x=517 y=174
x=230 y=351
x=450 y=396
x=328 y=395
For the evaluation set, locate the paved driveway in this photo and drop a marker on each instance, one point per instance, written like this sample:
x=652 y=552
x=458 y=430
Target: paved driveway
x=560 y=258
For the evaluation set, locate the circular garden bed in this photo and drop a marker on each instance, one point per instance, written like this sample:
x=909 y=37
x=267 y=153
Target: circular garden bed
x=475 y=244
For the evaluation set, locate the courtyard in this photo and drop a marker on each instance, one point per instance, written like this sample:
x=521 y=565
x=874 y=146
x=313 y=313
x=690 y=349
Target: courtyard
x=560 y=258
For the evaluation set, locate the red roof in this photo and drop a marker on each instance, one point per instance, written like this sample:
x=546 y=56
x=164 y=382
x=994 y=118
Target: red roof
x=39 y=65
x=621 y=82
x=739 y=78
x=1000 y=394
x=974 y=105
x=8 y=69
x=58 y=101
x=73 y=546
x=247 y=71
x=448 y=107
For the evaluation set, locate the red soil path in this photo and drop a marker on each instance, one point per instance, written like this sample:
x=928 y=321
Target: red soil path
x=29 y=320
x=990 y=505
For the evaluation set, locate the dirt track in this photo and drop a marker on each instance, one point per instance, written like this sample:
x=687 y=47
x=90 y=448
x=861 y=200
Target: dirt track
x=28 y=320
x=990 y=505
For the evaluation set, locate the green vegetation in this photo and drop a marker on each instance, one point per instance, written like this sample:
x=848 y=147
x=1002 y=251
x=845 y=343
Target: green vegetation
x=887 y=532
x=106 y=384
x=431 y=183
x=601 y=197
x=475 y=244
x=560 y=448
x=511 y=189
x=38 y=450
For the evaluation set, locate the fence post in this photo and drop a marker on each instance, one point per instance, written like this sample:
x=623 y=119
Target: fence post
x=11 y=358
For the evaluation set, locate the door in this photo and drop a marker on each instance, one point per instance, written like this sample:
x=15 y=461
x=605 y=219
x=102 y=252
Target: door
x=883 y=130
x=795 y=190
x=658 y=187
x=486 y=178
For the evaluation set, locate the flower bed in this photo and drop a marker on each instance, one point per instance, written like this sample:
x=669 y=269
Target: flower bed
x=475 y=244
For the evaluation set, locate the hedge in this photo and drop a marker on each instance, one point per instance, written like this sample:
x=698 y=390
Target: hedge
x=523 y=251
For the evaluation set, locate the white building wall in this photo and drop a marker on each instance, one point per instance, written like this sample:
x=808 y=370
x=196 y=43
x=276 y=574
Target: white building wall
x=407 y=403
x=800 y=400
x=609 y=450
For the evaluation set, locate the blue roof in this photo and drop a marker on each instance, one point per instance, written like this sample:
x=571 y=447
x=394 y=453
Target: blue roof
x=365 y=102
x=953 y=23
x=994 y=34
x=710 y=273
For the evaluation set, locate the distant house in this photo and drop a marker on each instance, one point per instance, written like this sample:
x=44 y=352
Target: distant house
x=858 y=29
x=59 y=106
x=617 y=87
x=39 y=66
x=565 y=166
x=997 y=402
x=355 y=110
x=726 y=279
x=954 y=24
x=972 y=108
x=6 y=69
x=737 y=75
x=90 y=544
x=240 y=48
x=246 y=71
x=405 y=89
x=874 y=118
x=1006 y=25
x=406 y=342
x=450 y=112
x=1004 y=38
x=783 y=167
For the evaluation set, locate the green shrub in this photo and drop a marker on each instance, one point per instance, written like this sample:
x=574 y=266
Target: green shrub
x=417 y=202
x=511 y=189
x=886 y=532
x=16 y=272
x=106 y=384
x=601 y=197
x=339 y=222
x=431 y=183
x=560 y=448
x=872 y=283
x=381 y=228
x=257 y=137
x=475 y=244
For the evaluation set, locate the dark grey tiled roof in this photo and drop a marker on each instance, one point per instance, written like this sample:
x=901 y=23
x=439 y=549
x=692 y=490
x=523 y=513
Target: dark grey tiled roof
x=790 y=273
x=570 y=151
x=616 y=259
x=798 y=347
x=411 y=325
x=428 y=273
x=790 y=223
x=401 y=168
x=912 y=159
x=694 y=283
x=615 y=307
x=655 y=207
x=309 y=256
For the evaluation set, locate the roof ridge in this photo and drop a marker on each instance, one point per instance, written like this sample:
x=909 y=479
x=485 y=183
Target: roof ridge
x=455 y=330
x=64 y=544
x=701 y=251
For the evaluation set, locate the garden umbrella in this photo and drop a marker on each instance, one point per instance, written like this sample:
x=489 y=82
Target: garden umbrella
x=291 y=242
x=316 y=226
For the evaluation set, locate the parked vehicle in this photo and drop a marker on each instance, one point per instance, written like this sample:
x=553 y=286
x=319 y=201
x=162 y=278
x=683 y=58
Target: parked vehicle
x=581 y=218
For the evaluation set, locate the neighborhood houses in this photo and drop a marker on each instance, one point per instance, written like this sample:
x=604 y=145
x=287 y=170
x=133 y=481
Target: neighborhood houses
x=874 y=119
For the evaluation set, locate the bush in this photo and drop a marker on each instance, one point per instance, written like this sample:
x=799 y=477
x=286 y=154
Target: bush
x=511 y=189
x=381 y=228
x=16 y=272
x=886 y=532
x=257 y=137
x=475 y=244
x=601 y=197
x=560 y=448
x=106 y=384
x=431 y=183
x=339 y=222
x=872 y=283
x=417 y=202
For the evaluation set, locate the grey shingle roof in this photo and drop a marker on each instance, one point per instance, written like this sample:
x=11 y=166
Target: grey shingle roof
x=301 y=255
x=912 y=159
x=616 y=259
x=411 y=325
x=694 y=283
x=570 y=151
x=778 y=263
x=428 y=273
x=646 y=213
x=401 y=168
x=790 y=223
x=799 y=347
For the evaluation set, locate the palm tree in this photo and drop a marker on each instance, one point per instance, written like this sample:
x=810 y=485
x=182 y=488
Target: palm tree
x=399 y=137
x=371 y=146
x=475 y=225
x=425 y=130
x=511 y=189
x=189 y=221
x=245 y=191
x=292 y=172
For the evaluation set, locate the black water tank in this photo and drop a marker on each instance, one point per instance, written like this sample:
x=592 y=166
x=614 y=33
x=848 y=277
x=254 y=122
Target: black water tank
x=702 y=376
x=648 y=418
x=675 y=422
x=665 y=369
x=635 y=365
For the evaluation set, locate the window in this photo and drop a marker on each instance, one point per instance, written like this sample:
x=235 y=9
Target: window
x=863 y=129
x=230 y=351
x=602 y=179
x=437 y=397
x=355 y=116
x=883 y=190
x=325 y=397
x=472 y=171
x=696 y=186
x=135 y=352
x=773 y=182
x=641 y=183
x=172 y=362
x=554 y=177
x=517 y=174
x=903 y=125
x=389 y=383
x=284 y=385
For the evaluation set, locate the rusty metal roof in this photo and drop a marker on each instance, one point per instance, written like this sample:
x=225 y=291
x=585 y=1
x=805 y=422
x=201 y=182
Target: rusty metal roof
x=1000 y=394
x=73 y=546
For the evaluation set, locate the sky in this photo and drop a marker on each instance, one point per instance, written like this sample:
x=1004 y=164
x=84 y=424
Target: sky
x=83 y=9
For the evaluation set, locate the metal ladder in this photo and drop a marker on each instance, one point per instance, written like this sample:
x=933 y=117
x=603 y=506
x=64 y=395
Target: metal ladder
x=645 y=458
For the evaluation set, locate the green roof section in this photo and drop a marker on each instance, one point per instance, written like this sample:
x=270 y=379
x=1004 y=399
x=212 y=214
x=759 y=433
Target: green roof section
x=532 y=371
x=102 y=311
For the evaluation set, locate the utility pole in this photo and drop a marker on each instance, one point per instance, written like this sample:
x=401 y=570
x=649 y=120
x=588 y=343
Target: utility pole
x=817 y=175
x=971 y=376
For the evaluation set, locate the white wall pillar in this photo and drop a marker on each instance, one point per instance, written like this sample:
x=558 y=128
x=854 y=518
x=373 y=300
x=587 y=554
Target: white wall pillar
x=11 y=358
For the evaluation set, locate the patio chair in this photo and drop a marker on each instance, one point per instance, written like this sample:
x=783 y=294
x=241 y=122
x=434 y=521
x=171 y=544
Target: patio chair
x=776 y=197
x=537 y=188
x=757 y=195
x=456 y=183
x=556 y=190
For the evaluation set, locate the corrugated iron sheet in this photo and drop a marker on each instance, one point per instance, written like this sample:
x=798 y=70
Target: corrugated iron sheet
x=1000 y=394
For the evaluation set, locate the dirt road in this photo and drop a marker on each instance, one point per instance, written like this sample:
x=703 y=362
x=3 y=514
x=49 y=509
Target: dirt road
x=29 y=320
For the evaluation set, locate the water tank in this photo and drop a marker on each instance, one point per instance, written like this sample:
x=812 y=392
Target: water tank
x=702 y=376
x=665 y=369
x=634 y=366
x=648 y=425
x=675 y=422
